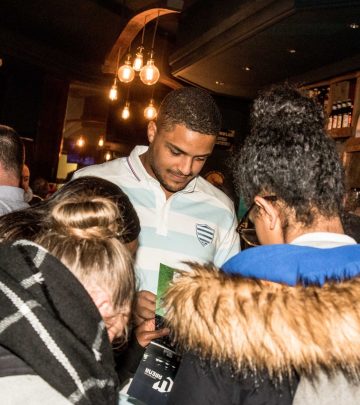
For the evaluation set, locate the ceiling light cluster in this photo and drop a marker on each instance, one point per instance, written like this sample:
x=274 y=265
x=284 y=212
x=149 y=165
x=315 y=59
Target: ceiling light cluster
x=149 y=74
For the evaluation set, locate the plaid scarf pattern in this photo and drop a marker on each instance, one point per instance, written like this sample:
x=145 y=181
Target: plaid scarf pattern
x=49 y=321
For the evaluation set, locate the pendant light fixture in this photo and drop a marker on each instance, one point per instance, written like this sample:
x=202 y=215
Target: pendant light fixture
x=149 y=74
x=139 y=57
x=150 y=111
x=113 y=93
x=126 y=72
x=125 y=114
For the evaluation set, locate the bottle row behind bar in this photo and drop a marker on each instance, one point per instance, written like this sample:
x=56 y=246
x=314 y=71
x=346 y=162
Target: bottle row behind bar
x=341 y=115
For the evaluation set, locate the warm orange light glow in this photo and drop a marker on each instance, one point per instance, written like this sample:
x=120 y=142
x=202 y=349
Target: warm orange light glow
x=126 y=111
x=113 y=94
x=149 y=74
x=150 y=111
x=138 y=61
x=126 y=73
x=80 y=142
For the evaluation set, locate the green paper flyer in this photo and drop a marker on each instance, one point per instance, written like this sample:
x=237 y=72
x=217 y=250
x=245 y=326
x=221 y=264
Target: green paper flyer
x=166 y=275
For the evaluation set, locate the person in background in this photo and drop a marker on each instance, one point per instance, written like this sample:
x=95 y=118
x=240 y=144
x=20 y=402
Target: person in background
x=11 y=163
x=351 y=214
x=40 y=187
x=279 y=324
x=29 y=196
x=182 y=216
x=64 y=297
x=25 y=183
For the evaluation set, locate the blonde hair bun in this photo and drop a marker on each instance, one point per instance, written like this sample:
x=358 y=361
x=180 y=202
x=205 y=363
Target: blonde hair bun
x=89 y=218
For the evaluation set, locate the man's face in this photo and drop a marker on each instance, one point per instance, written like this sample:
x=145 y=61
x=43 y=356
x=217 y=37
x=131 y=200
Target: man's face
x=175 y=157
x=25 y=178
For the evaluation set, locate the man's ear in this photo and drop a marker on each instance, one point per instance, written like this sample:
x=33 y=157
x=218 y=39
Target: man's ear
x=272 y=216
x=151 y=131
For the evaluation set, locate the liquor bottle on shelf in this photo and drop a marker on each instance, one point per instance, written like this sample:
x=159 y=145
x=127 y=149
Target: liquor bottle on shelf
x=335 y=116
x=350 y=107
x=341 y=110
x=345 y=118
x=331 y=117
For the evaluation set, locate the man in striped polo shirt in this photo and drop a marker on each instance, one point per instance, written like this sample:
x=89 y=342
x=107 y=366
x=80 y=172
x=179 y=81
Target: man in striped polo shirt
x=183 y=217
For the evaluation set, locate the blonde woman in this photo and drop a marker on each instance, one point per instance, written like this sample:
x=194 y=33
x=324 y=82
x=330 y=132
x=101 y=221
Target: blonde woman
x=64 y=297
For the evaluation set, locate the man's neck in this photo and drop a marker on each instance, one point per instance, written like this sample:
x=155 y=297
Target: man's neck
x=321 y=224
x=9 y=179
x=145 y=162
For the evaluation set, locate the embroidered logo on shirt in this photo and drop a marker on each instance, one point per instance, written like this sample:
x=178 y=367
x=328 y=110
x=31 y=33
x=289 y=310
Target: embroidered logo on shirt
x=205 y=234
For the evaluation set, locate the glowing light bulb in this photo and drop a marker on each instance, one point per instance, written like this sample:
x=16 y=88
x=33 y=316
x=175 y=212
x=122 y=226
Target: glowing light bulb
x=107 y=155
x=138 y=61
x=125 y=114
x=126 y=73
x=80 y=142
x=113 y=94
x=149 y=74
x=101 y=141
x=150 y=111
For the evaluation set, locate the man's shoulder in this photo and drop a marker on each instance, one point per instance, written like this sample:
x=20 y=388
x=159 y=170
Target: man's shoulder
x=109 y=170
x=203 y=186
x=12 y=199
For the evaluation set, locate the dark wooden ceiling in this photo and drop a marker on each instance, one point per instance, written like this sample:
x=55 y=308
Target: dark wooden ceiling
x=209 y=42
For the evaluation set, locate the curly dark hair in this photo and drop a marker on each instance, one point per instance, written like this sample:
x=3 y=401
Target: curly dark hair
x=289 y=154
x=190 y=106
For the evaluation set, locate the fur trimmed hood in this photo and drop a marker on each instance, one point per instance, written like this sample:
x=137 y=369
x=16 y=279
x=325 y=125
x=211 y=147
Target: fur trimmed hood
x=266 y=326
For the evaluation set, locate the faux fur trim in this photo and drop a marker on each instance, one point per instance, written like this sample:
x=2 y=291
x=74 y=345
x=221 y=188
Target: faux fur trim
x=267 y=326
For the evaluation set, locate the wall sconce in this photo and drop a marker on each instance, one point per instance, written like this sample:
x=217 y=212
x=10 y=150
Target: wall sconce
x=101 y=141
x=108 y=156
x=80 y=142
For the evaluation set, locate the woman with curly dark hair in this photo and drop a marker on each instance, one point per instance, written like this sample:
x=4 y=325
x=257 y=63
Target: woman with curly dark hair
x=279 y=324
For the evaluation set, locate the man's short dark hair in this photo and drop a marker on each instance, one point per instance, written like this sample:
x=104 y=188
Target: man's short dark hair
x=11 y=150
x=289 y=154
x=190 y=106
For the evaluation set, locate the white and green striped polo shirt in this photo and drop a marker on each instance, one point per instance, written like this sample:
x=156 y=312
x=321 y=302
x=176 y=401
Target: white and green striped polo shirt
x=194 y=224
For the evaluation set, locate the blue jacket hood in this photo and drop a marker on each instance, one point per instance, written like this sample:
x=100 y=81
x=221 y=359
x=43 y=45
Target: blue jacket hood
x=291 y=264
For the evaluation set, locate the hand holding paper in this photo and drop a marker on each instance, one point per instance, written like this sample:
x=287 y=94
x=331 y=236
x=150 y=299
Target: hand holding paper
x=145 y=305
x=146 y=332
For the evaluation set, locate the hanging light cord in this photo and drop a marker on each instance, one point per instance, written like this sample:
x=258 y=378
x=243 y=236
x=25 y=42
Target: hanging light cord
x=143 y=32
x=156 y=25
x=152 y=92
